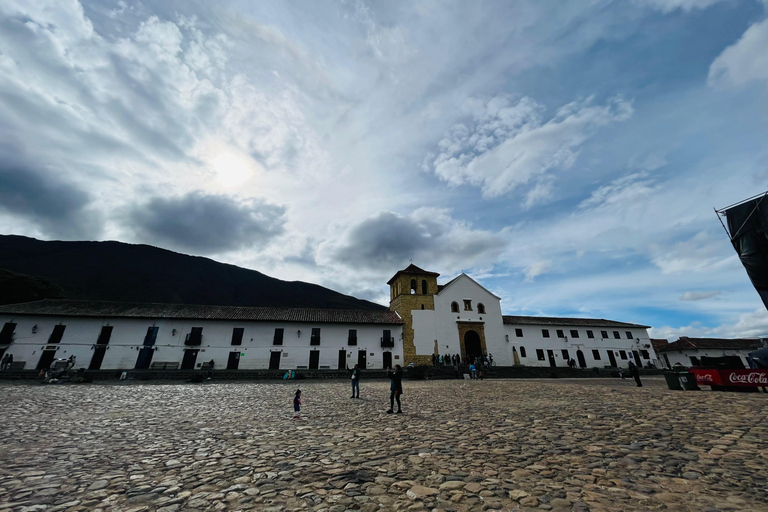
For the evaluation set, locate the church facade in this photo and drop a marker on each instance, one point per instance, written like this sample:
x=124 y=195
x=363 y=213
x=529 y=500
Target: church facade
x=425 y=319
x=463 y=318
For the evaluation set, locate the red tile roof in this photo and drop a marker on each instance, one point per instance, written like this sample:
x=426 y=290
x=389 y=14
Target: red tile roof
x=583 y=322
x=76 y=308
x=685 y=343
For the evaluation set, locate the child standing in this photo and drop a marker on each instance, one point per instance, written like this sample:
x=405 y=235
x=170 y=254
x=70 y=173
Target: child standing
x=297 y=404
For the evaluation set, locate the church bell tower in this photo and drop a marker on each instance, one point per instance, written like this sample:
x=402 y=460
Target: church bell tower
x=412 y=289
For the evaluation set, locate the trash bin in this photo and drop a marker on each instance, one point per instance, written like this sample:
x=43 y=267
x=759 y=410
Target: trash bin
x=688 y=381
x=673 y=381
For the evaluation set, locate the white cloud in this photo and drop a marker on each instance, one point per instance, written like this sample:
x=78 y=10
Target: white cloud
x=508 y=145
x=699 y=295
x=745 y=61
x=749 y=325
x=672 y=5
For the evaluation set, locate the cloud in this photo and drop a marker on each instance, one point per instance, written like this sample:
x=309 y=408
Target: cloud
x=753 y=324
x=745 y=61
x=428 y=236
x=672 y=5
x=506 y=145
x=38 y=193
x=699 y=295
x=208 y=224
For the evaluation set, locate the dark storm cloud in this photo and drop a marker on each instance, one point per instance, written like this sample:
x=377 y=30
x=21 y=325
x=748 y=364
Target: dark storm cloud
x=36 y=193
x=208 y=223
x=389 y=240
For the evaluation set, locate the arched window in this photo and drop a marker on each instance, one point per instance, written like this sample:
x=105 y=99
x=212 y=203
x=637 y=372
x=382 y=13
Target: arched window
x=454 y=307
x=522 y=351
x=424 y=286
x=480 y=308
x=422 y=306
x=413 y=286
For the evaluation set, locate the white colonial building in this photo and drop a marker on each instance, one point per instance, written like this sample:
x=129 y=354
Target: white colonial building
x=111 y=335
x=459 y=318
x=462 y=317
x=700 y=351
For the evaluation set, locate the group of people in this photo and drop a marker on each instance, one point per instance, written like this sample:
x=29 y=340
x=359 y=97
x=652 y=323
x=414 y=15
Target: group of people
x=395 y=390
x=446 y=360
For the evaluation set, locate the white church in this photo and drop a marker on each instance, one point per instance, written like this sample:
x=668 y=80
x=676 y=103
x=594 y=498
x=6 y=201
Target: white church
x=459 y=317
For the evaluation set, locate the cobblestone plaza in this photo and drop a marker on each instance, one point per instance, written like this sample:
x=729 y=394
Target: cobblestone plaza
x=563 y=445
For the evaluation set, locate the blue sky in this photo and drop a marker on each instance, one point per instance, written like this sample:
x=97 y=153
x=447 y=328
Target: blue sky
x=567 y=155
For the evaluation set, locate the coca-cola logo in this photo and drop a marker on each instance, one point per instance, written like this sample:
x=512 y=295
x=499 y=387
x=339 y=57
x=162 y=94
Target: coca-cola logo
x=707 y=377
x=749 y=378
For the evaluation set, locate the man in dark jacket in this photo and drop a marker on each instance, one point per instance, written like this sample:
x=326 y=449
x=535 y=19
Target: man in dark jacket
x=635 y=373
x=355 y=376
x=395 y=388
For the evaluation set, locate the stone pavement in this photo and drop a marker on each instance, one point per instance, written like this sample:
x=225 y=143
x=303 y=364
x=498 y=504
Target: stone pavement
x=562 y=445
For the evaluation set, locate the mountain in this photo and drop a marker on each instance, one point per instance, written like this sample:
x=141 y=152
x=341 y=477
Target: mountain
x=116 y=271
x=22 y=288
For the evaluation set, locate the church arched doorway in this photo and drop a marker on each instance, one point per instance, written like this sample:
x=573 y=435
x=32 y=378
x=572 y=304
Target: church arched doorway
x=472 y=346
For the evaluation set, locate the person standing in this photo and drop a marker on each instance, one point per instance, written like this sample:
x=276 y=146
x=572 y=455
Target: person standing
x=395 y=388
x=297 y=405
x=634 y=371
x=355 y=376
x=472 y=371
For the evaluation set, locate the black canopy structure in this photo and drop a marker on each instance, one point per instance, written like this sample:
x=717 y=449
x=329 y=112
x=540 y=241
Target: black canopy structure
x=746 y=223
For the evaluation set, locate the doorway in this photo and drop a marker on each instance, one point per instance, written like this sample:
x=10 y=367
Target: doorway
x=551 y=356
x=274 y=360
x=612 y=358
x=234 y=360
x=342 y=359
x=362 y=360
x=145 y=358
x=472 y=346
x=387 y=360
x=190 y=357
x=580 y=357
x=101 y=348
x=314 y=359
x=638 y=361
x=46 y=359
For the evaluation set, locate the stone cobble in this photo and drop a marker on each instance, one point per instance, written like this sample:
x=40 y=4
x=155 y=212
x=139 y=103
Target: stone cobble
x=523 y=445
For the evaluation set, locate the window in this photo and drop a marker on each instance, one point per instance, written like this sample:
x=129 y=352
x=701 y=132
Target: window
x=195 y=337
x=590 y=334
x=424 y=286
x=57 y=334
x=467 y=305
x=315 y=338
x=352 y=338
x=278 y=339
x=629 y=334
x=566 y=355
x=237 y=335
x=616 y=335
x=151 y=336
x=387 y=340
x=519 y=333
x=645 y=354
x=422 y=306
x=481 y=308
x=545 y=333
x=522 y=351
x=596 y=355
x=623 y=354
x=574 y=333
x=6 y=335
x=603 y=334
x=540 y=354
x=413 y=286
x=454 y=307
x=560 y=333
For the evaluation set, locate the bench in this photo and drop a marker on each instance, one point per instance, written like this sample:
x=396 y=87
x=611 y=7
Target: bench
x=17 y=365
x=160 y=365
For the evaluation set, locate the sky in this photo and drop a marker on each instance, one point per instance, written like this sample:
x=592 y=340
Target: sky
x=566 y=155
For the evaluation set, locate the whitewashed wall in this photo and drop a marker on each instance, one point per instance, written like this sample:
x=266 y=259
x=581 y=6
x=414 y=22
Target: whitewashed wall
x=81 y=335
x=533 y=339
